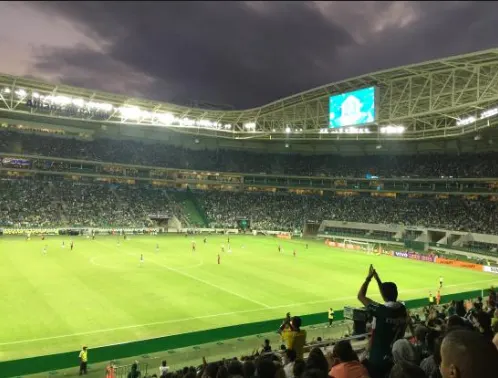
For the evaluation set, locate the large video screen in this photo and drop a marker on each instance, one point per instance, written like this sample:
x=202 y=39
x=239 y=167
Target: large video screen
x=352 y=108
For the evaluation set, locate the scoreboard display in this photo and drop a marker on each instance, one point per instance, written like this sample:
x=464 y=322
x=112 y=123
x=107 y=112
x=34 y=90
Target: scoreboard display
x=353 y=108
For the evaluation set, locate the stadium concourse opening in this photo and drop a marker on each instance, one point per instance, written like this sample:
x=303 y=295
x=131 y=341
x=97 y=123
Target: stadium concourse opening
x=183 y=249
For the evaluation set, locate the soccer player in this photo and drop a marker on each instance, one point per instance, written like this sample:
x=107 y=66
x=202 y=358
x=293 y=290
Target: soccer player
x=141 y=259
x=157 y=248
x=193 y=246
x=205 y=240
x=440 y=282
x=306 y=245
x=279 y=248
x=229 y=249
x=294 y=253
x=63 y=245
x=72 y=245
x=223 y=248
x=45 y=250
x=219 y=259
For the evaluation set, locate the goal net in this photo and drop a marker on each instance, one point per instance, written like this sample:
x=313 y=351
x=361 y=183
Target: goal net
x=359 y=245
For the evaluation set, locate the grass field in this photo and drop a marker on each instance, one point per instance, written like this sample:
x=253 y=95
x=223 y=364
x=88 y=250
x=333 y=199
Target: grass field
x=100 y=294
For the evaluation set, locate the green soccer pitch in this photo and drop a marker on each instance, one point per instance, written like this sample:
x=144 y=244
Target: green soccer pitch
x=100 y=293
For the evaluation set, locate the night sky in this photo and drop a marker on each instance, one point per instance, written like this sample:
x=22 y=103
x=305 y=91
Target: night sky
x=243 y=54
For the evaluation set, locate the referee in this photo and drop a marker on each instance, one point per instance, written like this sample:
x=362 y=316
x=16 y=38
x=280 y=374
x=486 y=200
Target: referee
x=83 y=360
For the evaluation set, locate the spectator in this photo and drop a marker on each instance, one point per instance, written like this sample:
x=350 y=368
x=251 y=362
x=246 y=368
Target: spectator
x=134 y=373
x=430 y=365
x=404 y=369
x=346 y=363
x=420 y=340
x=494 y=322
x=389 y=324
x=289 y=360
x=467 y=354
x=235 y=368
x=452 y=308
x=249 y=369
x=403 y=351
x=163 y=369
x=294 y=337
x=267 y=346
x=316 y=360
x=299 y=367
x=110 y=370
x=265 y=368
x=495 y=340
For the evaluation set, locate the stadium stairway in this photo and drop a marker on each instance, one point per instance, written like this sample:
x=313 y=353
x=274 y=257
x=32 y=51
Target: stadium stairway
x=192 y=209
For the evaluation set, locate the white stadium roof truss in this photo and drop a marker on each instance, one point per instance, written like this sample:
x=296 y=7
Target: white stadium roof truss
x=437 y=99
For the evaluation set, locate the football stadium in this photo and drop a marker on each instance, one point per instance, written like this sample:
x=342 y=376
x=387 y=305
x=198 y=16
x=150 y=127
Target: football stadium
x=134 y=232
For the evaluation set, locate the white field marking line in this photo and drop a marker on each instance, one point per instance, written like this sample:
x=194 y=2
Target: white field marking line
x=93 y=262
x=208 y=283
x=172 y=321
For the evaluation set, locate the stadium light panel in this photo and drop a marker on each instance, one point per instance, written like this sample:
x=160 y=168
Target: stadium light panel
x=392 y=130
x=21 y=93
x=130 y=112
x=6 y=90
x=287 y=130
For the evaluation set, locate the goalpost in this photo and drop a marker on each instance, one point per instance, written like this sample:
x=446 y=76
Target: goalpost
x=364 y=246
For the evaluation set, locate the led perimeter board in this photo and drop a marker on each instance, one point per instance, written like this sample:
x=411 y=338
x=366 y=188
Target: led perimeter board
x=353 y=108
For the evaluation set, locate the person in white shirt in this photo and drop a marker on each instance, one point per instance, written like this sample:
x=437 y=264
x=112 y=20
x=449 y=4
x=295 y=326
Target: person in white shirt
x=163 y=369
x=289 y=359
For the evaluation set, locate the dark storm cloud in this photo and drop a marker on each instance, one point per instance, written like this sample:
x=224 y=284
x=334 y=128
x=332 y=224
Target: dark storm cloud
x=248 y=54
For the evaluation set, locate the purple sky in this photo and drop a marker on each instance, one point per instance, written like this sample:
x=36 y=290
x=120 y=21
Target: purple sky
x=239 y=53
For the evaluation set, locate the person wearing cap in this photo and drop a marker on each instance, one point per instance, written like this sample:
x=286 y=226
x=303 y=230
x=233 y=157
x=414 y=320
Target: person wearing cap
x=83 y=360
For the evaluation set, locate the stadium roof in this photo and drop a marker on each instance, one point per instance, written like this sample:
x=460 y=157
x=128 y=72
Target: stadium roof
x=437 y=99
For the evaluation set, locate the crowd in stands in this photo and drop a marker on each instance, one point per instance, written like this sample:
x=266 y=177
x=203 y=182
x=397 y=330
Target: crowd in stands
x=64 y=203
x=458 y=340
x=287 y=212
x=168 y=156
x=72 y=203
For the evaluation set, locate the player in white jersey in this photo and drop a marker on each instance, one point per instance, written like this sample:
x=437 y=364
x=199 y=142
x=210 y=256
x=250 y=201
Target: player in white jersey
x=441 y=282
x=157 y=248
x=141 y=259
x=63 y=245
x=45 y=250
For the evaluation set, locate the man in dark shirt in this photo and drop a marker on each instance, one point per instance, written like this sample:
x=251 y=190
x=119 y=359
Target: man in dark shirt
x=389 y=324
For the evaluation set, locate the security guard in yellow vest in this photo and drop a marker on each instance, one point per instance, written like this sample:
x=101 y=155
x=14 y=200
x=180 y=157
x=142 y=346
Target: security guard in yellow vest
x=431 y=299
x=331 y=316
